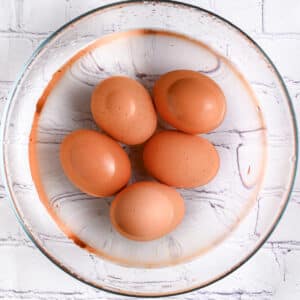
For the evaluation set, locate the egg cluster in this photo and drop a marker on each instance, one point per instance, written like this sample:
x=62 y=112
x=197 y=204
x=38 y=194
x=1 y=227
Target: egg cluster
x=192 y=104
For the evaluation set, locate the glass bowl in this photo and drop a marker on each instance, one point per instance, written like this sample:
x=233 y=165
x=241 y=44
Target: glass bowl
x=226 y=221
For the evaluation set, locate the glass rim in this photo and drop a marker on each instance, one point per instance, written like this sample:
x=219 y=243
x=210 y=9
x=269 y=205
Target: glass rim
x=3 y=128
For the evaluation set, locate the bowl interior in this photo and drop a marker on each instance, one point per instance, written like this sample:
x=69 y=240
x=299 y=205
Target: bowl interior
x=226 y=221
x=216 y=207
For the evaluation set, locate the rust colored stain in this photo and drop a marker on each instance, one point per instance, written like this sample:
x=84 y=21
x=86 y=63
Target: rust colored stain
x=249 y=170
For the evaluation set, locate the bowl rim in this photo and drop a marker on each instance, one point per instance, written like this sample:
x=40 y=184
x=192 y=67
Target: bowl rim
x=3 y=127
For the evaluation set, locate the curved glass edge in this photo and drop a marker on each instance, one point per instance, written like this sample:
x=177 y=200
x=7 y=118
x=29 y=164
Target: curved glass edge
x=14 y=89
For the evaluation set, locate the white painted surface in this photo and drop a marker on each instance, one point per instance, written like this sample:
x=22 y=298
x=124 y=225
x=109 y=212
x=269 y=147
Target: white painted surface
x=281 y=18
x=273 y=273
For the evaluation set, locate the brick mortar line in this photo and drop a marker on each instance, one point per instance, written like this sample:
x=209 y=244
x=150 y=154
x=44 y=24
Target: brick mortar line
x=6 y=83
x=19 y=16
x=95 y=293
x=263 y=16
x=16 y=240
x=23 y=34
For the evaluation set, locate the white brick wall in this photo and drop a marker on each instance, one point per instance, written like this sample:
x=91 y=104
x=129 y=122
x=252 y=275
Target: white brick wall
x=7 y=15
x=77 y=7
x=280 y=18
x=10 y=59
x=273 y=273
x=43 y=16
x=276 y=46
x=246 y=14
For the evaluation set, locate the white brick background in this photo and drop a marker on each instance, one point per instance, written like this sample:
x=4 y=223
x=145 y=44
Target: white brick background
x=273 y=273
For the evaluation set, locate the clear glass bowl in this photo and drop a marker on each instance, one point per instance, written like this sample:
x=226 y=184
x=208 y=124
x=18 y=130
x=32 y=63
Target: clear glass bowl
x=226 y=221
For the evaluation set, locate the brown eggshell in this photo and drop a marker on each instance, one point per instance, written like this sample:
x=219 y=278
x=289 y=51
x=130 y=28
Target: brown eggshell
x=94 y=163
x=189 y=101
x=181 y=160
x=123 y=108
x=146 y=211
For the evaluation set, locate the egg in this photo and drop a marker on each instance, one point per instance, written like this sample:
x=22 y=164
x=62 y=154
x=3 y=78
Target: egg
x=146 y=211
x=94 y=162
x=123 y=108
x=189 y=101
x=181 y=160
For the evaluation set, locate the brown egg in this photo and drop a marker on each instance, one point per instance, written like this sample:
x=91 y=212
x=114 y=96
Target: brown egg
x=189 y=101
x=94 y=163
x=181 y=160
x=123 y=108
x=146 y=211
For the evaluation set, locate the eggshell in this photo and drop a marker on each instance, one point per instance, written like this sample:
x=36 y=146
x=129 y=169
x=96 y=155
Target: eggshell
x=146 y=211
x=123 y=108
x=94 y=163
x=181 y=160
x=189 y=101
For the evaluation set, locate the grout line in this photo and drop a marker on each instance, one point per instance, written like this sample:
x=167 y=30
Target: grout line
x=17 y=240
x=67 y=10
x=7 y=83
x=23 y=34
x=94 y=295
x=272 y=36
x=19 y=13
x=263 y=16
